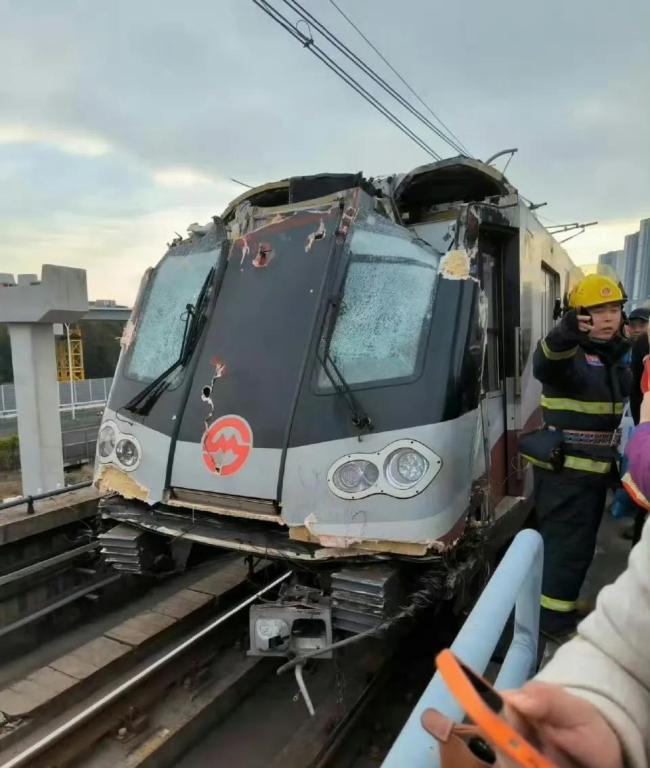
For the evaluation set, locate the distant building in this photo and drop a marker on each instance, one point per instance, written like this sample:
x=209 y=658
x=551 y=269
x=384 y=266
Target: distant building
x=629 y=259
x=613 y=260
x=642 y=267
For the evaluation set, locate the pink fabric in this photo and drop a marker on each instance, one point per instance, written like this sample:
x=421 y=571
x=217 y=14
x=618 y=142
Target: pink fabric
x=638 y=465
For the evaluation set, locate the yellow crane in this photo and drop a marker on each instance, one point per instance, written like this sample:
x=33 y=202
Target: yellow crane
x=70 y=355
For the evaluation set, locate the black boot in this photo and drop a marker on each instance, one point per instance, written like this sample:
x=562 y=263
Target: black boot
x=557 y=626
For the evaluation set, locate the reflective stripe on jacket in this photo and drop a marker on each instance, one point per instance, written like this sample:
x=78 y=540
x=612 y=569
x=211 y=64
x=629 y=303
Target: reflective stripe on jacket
x=584 y=387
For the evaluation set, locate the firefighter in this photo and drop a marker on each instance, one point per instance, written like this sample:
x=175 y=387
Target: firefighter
x=585 y=381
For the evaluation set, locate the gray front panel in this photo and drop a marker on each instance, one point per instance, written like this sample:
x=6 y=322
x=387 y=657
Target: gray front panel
x=308 y=500
x=150 y=472
x=258 y=478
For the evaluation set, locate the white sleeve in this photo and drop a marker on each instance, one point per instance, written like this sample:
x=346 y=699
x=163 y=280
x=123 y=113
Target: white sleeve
x=609 y=662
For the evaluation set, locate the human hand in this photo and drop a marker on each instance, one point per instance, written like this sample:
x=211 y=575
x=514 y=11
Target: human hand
x=568 y=730
x=575 y=327
x=585 y=323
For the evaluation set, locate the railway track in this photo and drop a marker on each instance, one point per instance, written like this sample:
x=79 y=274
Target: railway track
x=51 y=591
x=361 y=701
x=176 y=687
x=159 y=650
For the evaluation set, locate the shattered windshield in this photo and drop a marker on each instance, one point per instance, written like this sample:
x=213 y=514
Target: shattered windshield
x=385 y=310
x=176 y=282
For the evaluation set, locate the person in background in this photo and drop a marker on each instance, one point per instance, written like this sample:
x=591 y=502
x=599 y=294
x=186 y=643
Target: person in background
x=585 y=382
x=590 y=706
x=638 y=322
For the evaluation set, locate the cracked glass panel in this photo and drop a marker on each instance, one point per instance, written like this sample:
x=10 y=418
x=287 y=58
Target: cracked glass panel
x=385 y=310
x=177 y=281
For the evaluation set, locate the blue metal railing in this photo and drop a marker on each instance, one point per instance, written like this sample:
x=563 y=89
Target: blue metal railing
x=516 y=582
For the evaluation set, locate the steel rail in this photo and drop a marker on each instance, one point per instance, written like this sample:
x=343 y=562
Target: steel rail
x=71 y=597
x=50 y=562
x=67 y=728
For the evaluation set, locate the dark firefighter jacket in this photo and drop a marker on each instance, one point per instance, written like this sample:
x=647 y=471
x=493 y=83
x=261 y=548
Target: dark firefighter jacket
x=584 y=387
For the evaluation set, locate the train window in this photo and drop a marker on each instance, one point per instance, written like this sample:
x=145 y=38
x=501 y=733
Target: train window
x=550 y=292
x=490 y=271
x=385 y=310
x=176 y=282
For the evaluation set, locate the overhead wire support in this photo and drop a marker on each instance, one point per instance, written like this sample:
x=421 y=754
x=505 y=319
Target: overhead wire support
x=243 y=184
x=294 y=5
x=559 y=228
x=401 y=78
x=311 y=46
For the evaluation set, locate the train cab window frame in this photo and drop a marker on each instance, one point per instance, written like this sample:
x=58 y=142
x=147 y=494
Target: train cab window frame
x=549 y=295
x=491 y=272
x=383 y=318
x=161 y=322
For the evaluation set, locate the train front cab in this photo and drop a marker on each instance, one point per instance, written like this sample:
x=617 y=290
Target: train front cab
x=340 y=359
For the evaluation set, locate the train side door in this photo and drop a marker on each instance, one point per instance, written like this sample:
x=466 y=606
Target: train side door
x=499 y=277
x=494 y=380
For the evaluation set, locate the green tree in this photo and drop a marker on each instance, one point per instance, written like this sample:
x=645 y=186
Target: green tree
x=101 y=345
x=6 y=371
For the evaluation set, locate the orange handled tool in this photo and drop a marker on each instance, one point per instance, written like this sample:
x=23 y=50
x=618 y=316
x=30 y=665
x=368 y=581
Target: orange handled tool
x=484 y=706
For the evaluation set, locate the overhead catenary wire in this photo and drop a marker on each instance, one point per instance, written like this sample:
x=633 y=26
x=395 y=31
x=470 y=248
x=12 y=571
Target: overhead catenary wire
x=308 y=43
x=294 y=5
x=311 y=46
x=402 y=79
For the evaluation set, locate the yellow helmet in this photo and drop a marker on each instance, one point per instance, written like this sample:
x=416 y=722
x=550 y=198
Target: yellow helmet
x=594 y=290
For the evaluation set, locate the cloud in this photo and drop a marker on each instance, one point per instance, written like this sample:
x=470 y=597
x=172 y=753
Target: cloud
x=151 y=106
x=115 y=251
x=181 y=177
x=65 y=141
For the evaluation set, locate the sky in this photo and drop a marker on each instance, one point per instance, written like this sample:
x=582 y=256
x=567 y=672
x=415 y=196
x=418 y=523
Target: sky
x=122 y=122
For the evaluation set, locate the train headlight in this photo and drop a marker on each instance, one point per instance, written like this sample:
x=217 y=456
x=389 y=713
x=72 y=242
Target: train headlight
x=355 y=476
x=127 y=452
x=106 y=441
x=405 y=467
x=402 y=469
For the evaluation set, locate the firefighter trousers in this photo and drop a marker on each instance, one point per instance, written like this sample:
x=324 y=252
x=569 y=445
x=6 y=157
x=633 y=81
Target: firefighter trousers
x=569 y=507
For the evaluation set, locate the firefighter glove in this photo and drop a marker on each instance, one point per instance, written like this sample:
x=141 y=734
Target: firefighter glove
x=568 y=328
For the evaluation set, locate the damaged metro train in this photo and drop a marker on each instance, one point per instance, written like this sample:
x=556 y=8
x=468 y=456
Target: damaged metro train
x=333 y=373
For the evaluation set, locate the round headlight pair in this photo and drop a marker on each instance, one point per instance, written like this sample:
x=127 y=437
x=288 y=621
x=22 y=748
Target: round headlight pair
x=124 y=448
x=401 y=469
x=405 y=468
x=106 y=441
x=355 y=476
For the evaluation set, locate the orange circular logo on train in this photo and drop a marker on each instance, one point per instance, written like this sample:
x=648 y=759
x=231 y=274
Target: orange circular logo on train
x=227 y=444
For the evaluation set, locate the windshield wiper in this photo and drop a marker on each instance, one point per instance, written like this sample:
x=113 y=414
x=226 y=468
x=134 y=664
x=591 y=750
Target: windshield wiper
x=359 y=417
x=144 y=401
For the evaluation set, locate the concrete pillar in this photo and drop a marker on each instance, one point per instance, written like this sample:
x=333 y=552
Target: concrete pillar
x=37 y=402
x=30 y=307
